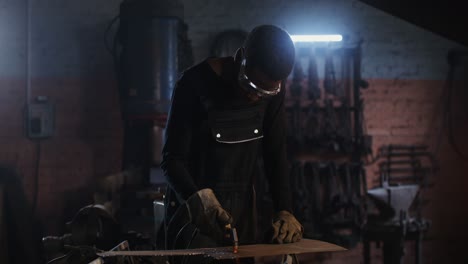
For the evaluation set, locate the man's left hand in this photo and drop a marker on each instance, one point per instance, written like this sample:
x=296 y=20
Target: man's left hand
x=286 y=228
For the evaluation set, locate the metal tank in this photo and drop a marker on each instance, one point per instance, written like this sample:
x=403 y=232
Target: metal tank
x=148 y=69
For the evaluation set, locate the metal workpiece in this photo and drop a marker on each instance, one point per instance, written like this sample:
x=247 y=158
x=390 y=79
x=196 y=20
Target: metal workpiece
x=245 y=251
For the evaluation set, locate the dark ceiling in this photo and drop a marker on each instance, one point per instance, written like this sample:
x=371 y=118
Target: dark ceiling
x=447 y=18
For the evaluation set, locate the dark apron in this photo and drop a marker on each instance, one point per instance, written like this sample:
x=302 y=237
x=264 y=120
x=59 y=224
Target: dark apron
x=228 y=164
x=232 y=164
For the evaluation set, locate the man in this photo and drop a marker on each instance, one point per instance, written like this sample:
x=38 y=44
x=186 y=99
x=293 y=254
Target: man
x=227 y=114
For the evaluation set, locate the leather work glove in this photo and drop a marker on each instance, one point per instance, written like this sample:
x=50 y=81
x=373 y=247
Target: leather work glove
x=286 y=228
x=207 y=213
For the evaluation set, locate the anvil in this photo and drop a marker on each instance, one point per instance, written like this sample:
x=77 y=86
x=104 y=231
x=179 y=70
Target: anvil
x=394 y=198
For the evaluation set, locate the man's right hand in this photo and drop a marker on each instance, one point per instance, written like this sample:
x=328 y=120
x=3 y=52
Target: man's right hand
x=207 y=213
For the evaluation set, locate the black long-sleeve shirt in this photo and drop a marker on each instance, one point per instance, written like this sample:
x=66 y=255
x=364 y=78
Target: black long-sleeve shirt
x=194 y=155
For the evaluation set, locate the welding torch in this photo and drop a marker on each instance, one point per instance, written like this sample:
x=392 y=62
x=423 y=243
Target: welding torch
x=231 y=234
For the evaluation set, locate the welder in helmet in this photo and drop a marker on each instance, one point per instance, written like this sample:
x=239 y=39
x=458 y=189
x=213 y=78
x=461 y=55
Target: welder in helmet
x=227 y=115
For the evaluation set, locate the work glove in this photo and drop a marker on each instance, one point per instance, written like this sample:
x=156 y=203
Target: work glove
x=207 y=214
x=286 y=228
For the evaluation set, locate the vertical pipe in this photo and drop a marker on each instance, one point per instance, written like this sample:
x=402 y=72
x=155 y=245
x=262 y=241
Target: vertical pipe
x=26 y=65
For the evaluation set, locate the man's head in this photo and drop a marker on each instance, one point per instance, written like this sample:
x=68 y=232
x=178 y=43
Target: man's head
x=267 y=58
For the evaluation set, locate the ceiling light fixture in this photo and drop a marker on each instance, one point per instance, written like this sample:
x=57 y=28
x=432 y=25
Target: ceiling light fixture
x=316 y=38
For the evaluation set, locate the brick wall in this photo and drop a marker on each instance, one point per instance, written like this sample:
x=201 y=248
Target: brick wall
x=405 y=66
x=66 y=61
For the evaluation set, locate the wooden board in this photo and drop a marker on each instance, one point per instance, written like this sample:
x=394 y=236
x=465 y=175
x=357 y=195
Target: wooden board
x=257 y=250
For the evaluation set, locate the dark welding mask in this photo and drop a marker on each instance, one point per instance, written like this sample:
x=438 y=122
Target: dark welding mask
x=250 y=87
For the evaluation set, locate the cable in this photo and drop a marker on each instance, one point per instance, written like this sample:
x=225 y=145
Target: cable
x=179 y=233
x=451 y=129
x=57 y=258
x=106 y=33
x=448 y=115
x=441 y=105
x=194 y=233
x=114 y=51
x=28 y=51
x=36 y=176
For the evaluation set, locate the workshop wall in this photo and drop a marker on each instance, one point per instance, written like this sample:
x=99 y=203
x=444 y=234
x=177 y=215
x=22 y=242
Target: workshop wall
x=56 y=48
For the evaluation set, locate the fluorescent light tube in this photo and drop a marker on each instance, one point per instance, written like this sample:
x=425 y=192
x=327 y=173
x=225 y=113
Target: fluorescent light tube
x=316 y=38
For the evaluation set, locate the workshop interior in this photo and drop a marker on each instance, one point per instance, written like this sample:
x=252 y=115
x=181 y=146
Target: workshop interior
x=376 y=111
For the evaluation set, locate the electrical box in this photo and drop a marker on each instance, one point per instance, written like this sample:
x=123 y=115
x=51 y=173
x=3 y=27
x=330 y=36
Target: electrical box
x=40 y=121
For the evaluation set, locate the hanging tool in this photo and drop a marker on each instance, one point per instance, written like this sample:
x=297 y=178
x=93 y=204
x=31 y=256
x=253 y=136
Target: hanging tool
x=314 y=93
x=329 y=82
x=331 y=126
x=298 y=77
x=313 y=80
x=296 y=90
x=345 y=129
